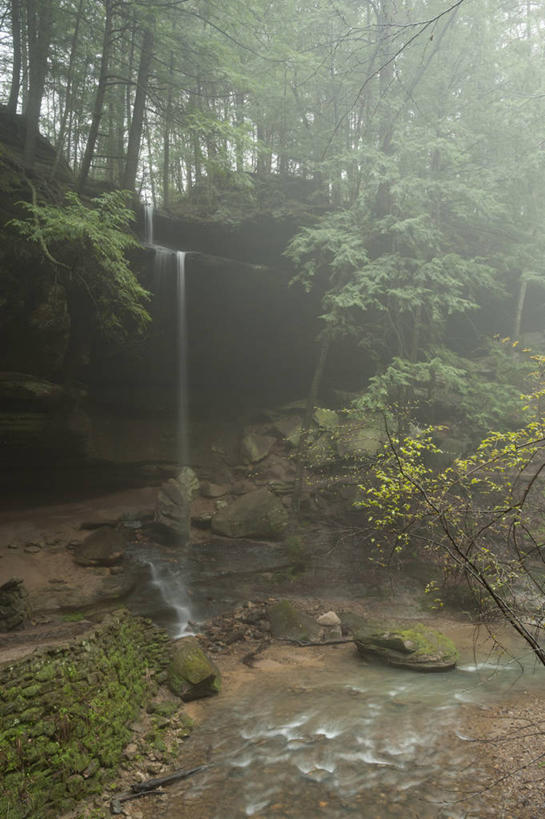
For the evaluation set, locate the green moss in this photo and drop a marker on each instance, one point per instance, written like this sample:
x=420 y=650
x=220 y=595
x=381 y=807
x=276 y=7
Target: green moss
x=428 y=641
x=191 y=674
x=91 y=693
x=47 y=672
x=73 y=617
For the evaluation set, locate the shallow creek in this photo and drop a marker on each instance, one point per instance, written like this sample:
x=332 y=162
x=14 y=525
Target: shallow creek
x=327 y=735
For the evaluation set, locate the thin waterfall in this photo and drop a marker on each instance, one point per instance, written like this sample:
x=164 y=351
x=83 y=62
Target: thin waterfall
x=173 y=591
x=169 y=579
x=148 y=225
x=183 y=419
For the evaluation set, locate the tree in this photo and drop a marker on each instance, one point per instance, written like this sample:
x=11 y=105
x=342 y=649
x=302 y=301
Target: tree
x=39 y=17
x=16 y=32
x=478 y=519
x=85 y=248
x=98 y=108
x=137 y=120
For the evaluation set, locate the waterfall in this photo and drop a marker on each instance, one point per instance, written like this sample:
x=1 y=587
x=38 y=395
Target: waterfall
x=183 y=425
x=164 y=261
x=169 y=578
x=148 y=225
x=173 y=591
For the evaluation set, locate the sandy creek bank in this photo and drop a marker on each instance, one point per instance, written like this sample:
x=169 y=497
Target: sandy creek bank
x=309 y=732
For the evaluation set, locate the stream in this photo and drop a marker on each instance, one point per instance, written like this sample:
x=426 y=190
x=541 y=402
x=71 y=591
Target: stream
x=336 y=737
x=318 y=732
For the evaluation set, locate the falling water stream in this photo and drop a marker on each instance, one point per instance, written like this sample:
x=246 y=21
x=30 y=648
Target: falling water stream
x=183 y=419
x=169 y=274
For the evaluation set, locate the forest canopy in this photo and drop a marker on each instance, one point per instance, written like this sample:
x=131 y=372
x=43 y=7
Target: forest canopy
x=416 y=127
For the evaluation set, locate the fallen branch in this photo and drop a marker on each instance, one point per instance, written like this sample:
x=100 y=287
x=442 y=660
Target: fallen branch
x=305 y=643
x=249 y=658
x=150 y=786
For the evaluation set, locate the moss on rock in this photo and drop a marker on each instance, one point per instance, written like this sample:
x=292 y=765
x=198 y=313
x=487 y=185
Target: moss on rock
x=64 y=714
x=416 y=648
x=191 y=674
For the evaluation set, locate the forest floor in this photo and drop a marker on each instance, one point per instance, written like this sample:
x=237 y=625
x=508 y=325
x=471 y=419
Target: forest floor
x=510 y=736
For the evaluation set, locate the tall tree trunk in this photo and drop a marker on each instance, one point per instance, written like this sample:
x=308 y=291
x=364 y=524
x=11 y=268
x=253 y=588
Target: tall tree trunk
x=16 y=29
x=137 y=121
x=98 y=107
x=69 y=82
x=39 y=26
x=166 y=134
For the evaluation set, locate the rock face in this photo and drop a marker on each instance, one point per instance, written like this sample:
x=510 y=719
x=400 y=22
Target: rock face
x=13 y=604
x=255 y=447
x=288 y=623
x=191 y=675
x=416 y=648
x=173 y=507
x=258 y=514
x=103 y=547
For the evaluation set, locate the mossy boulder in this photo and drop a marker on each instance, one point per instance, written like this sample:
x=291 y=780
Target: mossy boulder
x=191 y=675
x=288 y=623
x=325 y=418
x=355 y=440
x=257 y=514
x=416 y=647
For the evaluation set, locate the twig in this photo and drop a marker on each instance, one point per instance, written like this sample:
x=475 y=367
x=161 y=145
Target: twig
x=305 y=643
x=140 y=789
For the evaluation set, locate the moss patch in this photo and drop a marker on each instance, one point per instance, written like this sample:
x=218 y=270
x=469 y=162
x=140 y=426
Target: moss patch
x=64 y=715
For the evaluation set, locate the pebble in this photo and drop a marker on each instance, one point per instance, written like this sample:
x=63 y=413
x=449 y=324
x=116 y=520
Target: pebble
x=33 y=549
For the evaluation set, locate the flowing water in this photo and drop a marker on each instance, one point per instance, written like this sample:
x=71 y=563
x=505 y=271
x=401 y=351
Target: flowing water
x=169 y=279
x=183 y=415
x=342 y=738
x=172 y=587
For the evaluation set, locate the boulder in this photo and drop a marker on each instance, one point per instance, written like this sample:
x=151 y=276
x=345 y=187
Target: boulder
x=329 y=619
x=289 y=428
x=191 y=675
x=173 y=506
x=14 y=609
x=288 y=623
x=357 y=440
x=325 y=418
x=213 y=490
x=103 y=547
x=258 y=514
x=416 y=647
x=255 y=447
